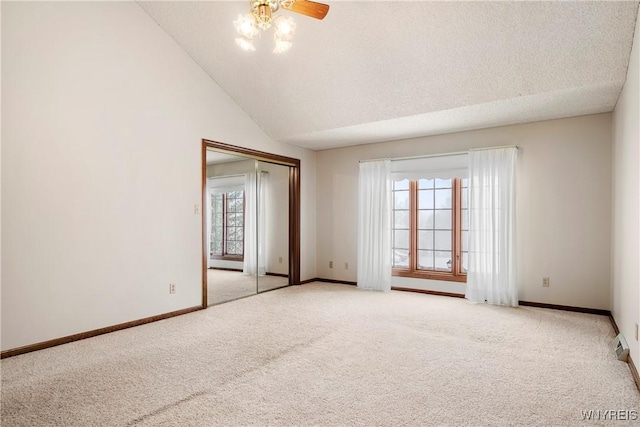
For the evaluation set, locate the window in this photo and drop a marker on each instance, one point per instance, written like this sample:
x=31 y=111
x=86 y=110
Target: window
x=430 y=228
x=227 y=225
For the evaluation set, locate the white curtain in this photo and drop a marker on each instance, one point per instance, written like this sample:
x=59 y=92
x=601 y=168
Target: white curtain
x=491 y=276
x=254 y=223
x=374 y=226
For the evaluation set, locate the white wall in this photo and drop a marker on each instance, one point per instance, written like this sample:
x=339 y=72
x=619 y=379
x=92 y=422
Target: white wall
x=625 y=291
x=563 y=185
x=103 y=116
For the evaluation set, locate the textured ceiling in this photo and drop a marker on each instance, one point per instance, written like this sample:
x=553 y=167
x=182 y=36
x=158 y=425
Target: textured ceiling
x=376 y=71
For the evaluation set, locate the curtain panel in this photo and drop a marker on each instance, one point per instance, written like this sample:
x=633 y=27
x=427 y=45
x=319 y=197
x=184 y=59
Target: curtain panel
x=254 y=224
x=492 y=246
x=374 y=226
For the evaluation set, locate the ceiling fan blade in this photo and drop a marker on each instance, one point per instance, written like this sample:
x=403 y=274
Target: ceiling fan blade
x=309 y=8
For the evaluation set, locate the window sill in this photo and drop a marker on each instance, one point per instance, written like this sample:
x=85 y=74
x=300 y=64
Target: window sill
x=228 y=257
x=431 y=275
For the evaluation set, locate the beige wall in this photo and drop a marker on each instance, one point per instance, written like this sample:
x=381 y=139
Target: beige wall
x=563 y=203
x=625 y=254
x=103 y=117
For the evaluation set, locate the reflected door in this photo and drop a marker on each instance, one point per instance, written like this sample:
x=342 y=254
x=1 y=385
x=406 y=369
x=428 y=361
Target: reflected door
x=229 y=209
x=248 y=246
x=273 y=226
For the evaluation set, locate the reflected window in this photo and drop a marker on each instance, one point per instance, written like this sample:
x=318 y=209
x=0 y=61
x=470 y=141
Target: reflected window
x=227 y=225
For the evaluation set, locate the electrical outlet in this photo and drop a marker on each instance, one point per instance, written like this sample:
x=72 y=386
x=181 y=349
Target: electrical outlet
x=636 y=332
x=196 y=209
x=346 y=265
x=330 y=264
x=545 y=282
x=172 y=288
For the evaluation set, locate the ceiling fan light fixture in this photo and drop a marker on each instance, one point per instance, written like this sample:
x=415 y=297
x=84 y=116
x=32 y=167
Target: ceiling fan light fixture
x=261 y=16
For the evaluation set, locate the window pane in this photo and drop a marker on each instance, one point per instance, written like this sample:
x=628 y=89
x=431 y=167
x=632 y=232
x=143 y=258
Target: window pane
x=465 y=182
x=401 y=239
x=401 y=185
x=401 y=219
x=443 y=261
x=240 y=234
x=443 y=220
x=217 y=247
x=425 y=199
x=401 y=200
x=216 y=233
x=443 y=240
x=443 y=199
x=465 y=240
x=425 y=239
x=465 y=219
x=239 y=248
x=400 y=258
x=465 y=198
x=231 y=248
x=443 y=183
x=425 y=260
x=231 y=233
x=465 y=262
x=425 y=183
x=241 y=201
x=425 y=220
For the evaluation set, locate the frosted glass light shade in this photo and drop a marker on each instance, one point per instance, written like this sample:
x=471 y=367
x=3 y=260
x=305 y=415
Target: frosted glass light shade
x=245 y=43
x=246 y=25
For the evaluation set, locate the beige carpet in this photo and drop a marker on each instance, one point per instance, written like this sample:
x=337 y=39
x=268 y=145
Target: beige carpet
x=329 y=355
x=224 y=285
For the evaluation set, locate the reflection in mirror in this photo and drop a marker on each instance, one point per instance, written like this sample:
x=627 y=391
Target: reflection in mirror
x=273 y=226
x=227 y=209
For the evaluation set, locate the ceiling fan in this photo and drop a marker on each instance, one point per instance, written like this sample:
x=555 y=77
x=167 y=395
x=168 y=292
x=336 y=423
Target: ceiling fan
x=260 y=16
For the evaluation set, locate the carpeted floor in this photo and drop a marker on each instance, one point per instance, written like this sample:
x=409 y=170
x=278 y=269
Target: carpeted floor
x=323 y=354
x=224 y=285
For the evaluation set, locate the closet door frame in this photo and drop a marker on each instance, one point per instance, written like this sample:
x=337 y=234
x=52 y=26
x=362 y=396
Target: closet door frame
x=294 y=204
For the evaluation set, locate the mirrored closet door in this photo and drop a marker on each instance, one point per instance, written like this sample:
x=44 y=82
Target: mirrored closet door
x=273 y=226
x=230 y=209
x=248 y=225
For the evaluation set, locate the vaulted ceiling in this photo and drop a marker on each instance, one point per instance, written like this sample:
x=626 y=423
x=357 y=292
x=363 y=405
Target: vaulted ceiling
x=375 y=71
